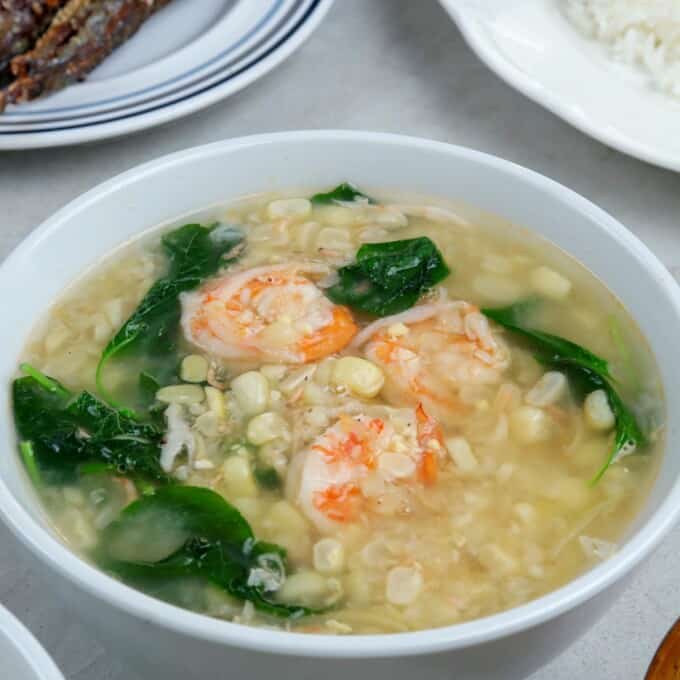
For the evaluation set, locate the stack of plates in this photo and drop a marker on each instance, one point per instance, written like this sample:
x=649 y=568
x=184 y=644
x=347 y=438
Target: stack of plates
x=186 y=57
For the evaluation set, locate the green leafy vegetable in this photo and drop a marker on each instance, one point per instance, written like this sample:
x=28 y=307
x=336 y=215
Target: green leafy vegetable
x=343 y=193
x=217 y=545
x=195 y=253
x=586 y=371
x=549 y=348
x=148 y=384
x=60 y=432
x=94 y=469
x=627 y=433
x=50 y=385
x=267 y=477
x=148 y=387
x=389 y=277
x=28 y=456
x=627 y=364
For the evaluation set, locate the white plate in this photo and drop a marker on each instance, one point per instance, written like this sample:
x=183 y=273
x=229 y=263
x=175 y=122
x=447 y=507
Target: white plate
x=186 y=57
x=21 y=656
x=534 y=48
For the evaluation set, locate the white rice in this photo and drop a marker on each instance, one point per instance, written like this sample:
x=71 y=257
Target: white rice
x=645 y=33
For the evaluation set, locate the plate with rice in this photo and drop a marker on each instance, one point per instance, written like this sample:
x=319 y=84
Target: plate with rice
x=611 y=68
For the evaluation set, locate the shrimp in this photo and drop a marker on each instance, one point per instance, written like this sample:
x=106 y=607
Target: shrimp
x=350 y=467
x=270 y=313
x=431 y=351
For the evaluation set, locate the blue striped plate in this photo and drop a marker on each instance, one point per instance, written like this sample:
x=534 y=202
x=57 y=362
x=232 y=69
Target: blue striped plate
x=183 y=59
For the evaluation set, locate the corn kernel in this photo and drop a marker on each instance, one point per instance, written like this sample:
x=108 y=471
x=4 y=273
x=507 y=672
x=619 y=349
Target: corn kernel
x=194 y=368
x=360 y=376
x=181 y=394
x=266 y=427
x=251 y=391
x=403 y=585
x=598 y=412
x=329 y=556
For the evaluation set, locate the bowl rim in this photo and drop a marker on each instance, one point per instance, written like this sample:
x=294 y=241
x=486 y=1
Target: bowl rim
x=31 y=651
x=474 y=31
x=458 y=636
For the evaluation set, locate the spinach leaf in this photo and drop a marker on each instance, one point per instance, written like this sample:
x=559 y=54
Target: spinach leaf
x=627 y=432
x=195 y=253
x=50 y=385
x=148 y=386
x=28 y=456
x=628 y=366
x=61 y=431
x=586 y=371
x=218 y=546
x=343 y=193
x=267 y=477
x=550 y=348
x=389 y=277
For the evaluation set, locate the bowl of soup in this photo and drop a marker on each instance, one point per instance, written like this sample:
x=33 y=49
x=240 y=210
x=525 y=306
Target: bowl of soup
x=324 y=401
x=23 y=658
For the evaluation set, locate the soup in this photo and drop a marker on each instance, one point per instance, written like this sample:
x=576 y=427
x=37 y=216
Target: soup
x=340 y=415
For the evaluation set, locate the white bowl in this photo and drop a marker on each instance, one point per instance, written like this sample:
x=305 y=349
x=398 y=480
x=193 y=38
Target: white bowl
x=21 y=656
x=175 y=641
x=533 y=47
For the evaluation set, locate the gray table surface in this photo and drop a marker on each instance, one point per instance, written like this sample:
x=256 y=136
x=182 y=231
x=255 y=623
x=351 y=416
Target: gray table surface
x=398 y=66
